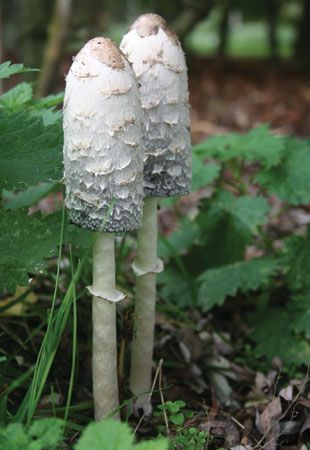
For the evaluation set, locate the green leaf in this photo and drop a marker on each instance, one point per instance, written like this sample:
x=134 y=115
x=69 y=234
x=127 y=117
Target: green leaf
x=25 y=243
x=16 y=97
x=296 y=261
x=47 y=433
x=177 y=419
x=14 y=437
x=49 y=102
x=106 y=435
x=274 y=337
x=228 y=225
x=181 y=239
x=30 y=152
x=49 y=116
x=7 y=69
x=300 y=311
x=217 y=284
x=174 y=287
x=203 y=173
x=159 y=444
x=30 y=196
x=256 y=145
x=80 y=238
x=291 y=180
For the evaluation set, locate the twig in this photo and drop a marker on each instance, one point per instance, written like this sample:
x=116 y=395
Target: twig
x=162 y=396
x=150 y=394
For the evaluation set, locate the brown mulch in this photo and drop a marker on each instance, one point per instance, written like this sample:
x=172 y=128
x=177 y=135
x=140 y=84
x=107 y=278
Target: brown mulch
x=239 y=95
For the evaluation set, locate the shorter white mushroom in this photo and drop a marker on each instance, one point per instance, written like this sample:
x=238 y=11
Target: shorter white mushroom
x=103 y=162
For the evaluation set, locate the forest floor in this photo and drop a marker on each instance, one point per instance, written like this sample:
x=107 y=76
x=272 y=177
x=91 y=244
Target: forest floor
x=239 y=95
x=228 y=395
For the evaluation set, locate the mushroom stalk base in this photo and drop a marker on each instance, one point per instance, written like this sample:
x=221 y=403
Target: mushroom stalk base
x=144 y=314
x=105 y=383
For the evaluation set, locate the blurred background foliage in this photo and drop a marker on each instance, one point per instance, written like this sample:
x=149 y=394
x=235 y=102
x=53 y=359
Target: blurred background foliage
x=40 y=32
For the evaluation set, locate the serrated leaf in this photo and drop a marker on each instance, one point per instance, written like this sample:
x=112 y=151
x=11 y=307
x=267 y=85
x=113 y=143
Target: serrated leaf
x=14 y=437
x=25 y=243
x=274 y=337
x=30 y=152
x=177 y=419
x=291 y=180
x=49 y=102
x=28 y=197
x=296 y=261
x=159 y=444
x=182 y=238
x=106 y=435
x=47 y=432
x=16 y=97
x=49 y=116
x=256 y=145
x=217 y=284
x=7 y=69
x=203 y=173
x=300 y=310
x=228 y=224
x=174 y=287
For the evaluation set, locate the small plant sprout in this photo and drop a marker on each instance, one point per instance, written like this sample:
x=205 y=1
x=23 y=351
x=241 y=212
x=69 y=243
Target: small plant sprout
x=158 y=61
x=103 y=161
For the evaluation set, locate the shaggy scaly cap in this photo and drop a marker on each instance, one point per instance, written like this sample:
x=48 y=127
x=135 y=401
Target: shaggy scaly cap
x=159 y=64
x=103 y=155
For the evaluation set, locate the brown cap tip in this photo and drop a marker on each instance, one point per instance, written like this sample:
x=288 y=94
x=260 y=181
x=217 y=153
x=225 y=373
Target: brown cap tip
x=149 y=24
x=106 y=51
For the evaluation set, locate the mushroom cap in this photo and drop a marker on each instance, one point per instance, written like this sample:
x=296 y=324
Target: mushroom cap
x=158 y=61
x=103 y=155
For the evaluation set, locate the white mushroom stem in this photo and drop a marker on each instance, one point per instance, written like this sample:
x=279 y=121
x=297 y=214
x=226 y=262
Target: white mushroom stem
x=146 y=265
x=105 y=383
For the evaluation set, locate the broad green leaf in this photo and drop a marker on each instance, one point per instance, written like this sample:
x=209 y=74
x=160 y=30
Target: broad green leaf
x=30 y=196
x=217 y=284
x=177 y=419
x=49 y=116
x=16 y=97
x=106 y=435
x=300 y=310
x=291 y=180
x=47 y=433
x=203 y=173
x=25 y=243
x=181 y=239
x=256 y=145
x=174 y=286
x=274 y=337
x=14 y=437
x=30 y=152
x=296 y=261
x=49 y=102
x=7 y=69
x=159 y=444
x=228 y=224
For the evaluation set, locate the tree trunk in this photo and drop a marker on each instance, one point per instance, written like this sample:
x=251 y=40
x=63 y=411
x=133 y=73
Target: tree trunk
x=272 y=13
x=189 y=17
x=303 y=39
x=58 y=31
x=35 y=15
x=224 y=28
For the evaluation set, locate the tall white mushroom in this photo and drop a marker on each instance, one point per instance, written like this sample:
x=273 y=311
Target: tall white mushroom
x=158 y=61
x=103 y=161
